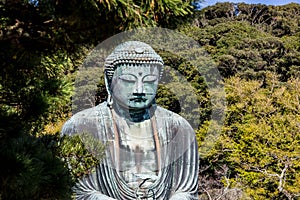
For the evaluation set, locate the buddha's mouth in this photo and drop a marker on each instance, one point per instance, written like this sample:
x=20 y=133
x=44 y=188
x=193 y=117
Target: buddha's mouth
x=138 y=99
x=139 y=94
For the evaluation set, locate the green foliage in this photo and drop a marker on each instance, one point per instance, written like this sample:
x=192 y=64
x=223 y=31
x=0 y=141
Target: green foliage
x=183 y=90
x=115 y=16
x=262 y=135
x=36 y=91
x=33 y=82
x=86 y=83
x=246 y=44
x=30 y=170
x=258 y=53
x=42 y=44
x=82 y=153
x=276 y=20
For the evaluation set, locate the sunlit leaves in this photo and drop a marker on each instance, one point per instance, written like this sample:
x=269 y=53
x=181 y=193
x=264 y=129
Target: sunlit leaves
x=264 y=132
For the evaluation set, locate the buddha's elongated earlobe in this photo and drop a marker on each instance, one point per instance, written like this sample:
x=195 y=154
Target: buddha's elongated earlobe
x=109 y=97
x=109 y=101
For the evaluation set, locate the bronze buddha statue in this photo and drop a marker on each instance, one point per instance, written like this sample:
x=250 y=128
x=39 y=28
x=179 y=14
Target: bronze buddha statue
x=151 y=152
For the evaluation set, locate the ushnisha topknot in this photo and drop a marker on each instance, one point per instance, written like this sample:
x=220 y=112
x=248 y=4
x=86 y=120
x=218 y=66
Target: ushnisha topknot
x=133 y=53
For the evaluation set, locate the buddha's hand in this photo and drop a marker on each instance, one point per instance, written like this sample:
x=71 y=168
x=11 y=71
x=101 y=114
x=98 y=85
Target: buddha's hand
x=182 y=196
x=99 y=196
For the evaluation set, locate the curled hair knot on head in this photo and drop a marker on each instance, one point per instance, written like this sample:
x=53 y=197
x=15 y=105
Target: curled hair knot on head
x=132 y=53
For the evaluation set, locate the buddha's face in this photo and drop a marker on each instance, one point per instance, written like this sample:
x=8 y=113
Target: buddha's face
x=135 y=86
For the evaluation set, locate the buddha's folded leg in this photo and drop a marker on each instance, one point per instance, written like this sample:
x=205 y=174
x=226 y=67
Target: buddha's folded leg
x=97 y=196
x=183 y=196
x=87 y=189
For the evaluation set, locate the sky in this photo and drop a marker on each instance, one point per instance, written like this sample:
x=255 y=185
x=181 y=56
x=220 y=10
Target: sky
x=267 y=2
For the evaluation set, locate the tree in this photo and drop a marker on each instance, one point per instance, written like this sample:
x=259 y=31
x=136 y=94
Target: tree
x=257 y=155
x=245 y=48
x=262 y=132
x=42 y=44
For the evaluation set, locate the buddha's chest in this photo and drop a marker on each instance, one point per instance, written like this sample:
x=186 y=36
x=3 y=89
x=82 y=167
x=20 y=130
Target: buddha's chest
x=138 y=156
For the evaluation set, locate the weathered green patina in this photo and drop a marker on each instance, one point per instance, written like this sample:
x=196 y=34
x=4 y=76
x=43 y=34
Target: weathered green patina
x=151 y=152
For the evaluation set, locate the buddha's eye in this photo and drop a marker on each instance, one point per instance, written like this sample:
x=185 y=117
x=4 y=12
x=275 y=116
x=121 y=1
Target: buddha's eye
x=150 y=78
x=127 y=77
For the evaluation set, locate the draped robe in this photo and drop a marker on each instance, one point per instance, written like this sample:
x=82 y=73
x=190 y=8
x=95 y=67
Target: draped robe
x=177 y=176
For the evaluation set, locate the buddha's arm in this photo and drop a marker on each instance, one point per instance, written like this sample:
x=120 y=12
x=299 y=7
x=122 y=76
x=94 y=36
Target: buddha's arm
x=182 y=196
x=87 y=188
x=186 y=168
x=93 y=195
x=99 y=196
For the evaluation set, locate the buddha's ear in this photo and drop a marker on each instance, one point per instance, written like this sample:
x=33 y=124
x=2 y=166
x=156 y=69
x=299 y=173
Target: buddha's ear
x=107 y=84
x=109 y=100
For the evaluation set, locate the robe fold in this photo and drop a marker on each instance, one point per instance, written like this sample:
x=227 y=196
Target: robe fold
x=177 y=176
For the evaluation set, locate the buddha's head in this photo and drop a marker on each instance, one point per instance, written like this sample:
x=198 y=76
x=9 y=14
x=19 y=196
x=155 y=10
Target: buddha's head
x=132 y=72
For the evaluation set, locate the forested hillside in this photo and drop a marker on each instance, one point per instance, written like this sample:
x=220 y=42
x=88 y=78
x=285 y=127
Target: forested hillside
x=257 y=51
x=255 y=47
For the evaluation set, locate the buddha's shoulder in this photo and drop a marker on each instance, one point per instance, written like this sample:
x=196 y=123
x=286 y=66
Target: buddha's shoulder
x=174 y=120
x=168 y=115
x=91 y=113
x=86 y=119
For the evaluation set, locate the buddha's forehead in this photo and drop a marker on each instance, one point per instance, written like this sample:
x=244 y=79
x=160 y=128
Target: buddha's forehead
x=142 y=69
x=132 y=53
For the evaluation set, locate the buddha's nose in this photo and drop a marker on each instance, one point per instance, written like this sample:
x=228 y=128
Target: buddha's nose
x=139 y=87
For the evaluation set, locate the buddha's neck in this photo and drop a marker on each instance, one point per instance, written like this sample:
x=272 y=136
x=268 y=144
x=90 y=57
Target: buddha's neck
x=134 y=115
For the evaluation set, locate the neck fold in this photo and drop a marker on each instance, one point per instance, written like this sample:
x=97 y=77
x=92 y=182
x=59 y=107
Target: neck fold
x=133 y=115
